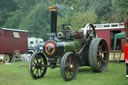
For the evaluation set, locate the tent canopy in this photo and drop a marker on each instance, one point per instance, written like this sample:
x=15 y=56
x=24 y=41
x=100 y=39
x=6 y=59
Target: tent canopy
x=117 y=36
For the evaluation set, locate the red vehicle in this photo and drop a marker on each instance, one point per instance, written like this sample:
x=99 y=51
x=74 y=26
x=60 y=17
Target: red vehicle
x=12 y=40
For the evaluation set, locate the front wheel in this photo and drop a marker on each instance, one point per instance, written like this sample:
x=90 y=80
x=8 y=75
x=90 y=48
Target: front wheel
x=68 y=66
x=38 y=65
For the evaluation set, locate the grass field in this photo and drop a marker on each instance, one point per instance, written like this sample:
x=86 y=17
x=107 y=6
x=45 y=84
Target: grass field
x=17 y=74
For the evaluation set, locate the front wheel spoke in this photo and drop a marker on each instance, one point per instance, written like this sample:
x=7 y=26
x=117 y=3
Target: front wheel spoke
x=41 y=71
x=37 y=60
x=34 y=71
x=33 y=68
x=37 y=73
x=69 y=75
x=34 y=61
x=43 y=65
x=42 y=68
x=41 y=61
x=66 y=72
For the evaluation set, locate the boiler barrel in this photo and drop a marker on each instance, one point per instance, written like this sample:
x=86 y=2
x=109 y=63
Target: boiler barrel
x=71 y=46
x=52 y=48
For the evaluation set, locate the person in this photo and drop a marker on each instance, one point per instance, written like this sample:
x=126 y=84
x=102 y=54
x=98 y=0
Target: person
x=126 y=55
x=126 y=68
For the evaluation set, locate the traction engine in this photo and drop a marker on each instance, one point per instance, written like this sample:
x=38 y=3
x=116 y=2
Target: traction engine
x=70 y=50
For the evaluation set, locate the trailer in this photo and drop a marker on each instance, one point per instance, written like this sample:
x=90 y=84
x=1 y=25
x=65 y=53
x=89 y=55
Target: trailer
x=11 y=41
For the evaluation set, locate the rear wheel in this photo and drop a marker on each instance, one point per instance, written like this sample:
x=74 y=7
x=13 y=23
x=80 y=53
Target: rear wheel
x=38 y=65
x=98 y=55
x=68 y=66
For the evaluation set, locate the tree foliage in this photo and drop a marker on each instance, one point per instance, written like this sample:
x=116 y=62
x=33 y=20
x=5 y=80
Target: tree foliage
x=5 y=7
x=79 y=20
x=33 y=15
x=120 y=11
x=37 y=21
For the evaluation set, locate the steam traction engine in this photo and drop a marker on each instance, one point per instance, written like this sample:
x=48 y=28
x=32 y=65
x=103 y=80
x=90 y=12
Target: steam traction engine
x=70 y=50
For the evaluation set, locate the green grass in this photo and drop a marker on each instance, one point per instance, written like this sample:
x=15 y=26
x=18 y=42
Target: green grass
x=17 y=74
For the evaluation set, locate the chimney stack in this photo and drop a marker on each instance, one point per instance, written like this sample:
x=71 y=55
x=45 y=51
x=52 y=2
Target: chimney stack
x=53 y=10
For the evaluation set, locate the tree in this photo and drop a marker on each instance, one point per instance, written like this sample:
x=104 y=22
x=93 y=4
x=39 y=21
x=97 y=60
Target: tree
x=32 y=15
x=120 y=12
x=15 y=17
x=79 y=20
x=77 y=13
x=5 y=7
x=82 y=18
x=37 y=21
x=103 y=9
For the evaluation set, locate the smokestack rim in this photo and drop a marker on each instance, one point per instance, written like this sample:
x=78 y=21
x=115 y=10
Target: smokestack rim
x=53 y=8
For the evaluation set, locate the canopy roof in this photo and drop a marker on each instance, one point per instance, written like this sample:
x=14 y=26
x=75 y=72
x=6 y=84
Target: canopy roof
x=117 y=36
